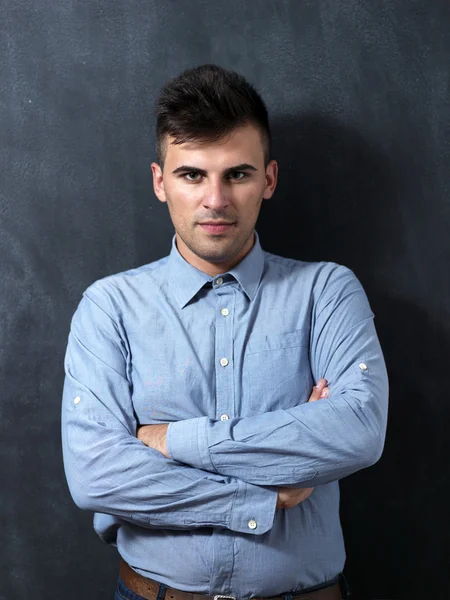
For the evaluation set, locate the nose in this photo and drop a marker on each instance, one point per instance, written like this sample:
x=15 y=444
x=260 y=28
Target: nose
x=216 y=195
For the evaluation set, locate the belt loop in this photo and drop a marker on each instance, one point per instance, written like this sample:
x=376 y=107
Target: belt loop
x=161 y=591
x=345 y=588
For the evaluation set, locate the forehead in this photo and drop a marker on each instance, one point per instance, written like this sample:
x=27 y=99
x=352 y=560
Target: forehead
x=243 y=144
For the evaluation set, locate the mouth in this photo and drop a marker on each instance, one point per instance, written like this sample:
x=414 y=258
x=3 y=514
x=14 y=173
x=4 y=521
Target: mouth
x=218 y=227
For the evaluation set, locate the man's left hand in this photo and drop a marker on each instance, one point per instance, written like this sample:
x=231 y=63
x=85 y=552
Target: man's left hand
x=154 y=436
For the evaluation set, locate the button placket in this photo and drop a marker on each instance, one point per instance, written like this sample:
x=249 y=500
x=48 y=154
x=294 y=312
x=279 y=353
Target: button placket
x=224 y=346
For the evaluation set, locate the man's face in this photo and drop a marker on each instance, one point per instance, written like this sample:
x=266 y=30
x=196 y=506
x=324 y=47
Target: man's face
x=222 y=181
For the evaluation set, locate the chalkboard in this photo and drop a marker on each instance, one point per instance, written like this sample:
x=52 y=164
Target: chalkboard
x=358 y=95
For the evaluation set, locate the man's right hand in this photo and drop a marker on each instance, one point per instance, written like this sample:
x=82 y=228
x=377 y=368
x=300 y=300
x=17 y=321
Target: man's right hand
x=290 y=497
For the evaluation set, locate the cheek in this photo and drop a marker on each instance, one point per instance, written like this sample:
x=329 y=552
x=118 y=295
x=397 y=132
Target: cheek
x=178 y=201
x=185 y=197
x=253 y=206
x=247 y=194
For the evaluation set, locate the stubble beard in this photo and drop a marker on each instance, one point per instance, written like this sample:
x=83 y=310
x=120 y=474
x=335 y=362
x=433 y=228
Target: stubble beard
x=214 y=252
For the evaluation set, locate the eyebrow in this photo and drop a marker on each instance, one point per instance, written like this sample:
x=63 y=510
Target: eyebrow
x=241 y=167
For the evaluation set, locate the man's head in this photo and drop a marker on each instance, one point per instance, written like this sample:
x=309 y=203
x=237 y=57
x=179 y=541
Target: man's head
x=213 y=148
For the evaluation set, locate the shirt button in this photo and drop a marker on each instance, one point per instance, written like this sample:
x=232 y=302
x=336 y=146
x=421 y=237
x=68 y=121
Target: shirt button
x=219 y=281
x=224 y=362
x=224 y=417
x=252 y=524
x=77 y=400
x=363 y=367
x=225 y=312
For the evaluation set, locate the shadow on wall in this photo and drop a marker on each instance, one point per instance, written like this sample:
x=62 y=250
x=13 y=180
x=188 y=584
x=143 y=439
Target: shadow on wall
x=338 y=199
x=336 y=193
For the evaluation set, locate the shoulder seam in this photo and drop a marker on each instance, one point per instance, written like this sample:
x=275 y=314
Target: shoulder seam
x=98 y=305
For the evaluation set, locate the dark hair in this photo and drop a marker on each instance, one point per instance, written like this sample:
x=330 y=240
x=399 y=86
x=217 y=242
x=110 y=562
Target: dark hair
x=204 y=104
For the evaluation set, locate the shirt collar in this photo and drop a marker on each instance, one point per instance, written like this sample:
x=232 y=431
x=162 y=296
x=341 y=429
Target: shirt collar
x=186 y=280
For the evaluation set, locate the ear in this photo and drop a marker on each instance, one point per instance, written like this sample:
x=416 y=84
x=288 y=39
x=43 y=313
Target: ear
x=271 y=179
x=158 y=182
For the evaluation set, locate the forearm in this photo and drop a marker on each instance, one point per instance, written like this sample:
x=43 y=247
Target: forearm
x=111 y=472
x=306 y=445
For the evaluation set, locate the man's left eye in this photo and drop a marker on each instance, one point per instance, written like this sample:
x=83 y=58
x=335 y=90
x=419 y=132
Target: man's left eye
x=238 y=173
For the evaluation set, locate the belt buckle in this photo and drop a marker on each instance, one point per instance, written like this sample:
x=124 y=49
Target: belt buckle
x=222 y=597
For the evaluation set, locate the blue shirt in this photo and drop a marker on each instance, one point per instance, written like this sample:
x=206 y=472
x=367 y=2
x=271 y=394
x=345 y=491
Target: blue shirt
x=230 y=362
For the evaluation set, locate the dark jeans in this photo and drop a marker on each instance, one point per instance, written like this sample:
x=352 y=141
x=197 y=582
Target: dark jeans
x=123 y=593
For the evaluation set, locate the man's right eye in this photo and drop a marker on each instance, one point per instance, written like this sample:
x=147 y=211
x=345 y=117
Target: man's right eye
x=194 y=173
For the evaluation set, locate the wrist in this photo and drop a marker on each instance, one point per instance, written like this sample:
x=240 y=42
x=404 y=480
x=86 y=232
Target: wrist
x=154 y=436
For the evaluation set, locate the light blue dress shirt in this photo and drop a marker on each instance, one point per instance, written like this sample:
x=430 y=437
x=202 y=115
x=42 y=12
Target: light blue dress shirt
x=230 y=363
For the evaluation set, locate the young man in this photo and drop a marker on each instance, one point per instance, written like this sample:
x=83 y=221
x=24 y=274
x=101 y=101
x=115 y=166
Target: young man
x=188 y=422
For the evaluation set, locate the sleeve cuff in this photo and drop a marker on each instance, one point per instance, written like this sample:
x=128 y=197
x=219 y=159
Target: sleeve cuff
x=253 y=508
x=187 y=442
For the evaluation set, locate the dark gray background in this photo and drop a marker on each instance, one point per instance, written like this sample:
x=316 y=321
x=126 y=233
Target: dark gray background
x=358 y=93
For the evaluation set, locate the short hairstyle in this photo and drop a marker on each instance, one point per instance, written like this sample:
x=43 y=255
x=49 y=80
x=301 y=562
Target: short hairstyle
x=204 y=104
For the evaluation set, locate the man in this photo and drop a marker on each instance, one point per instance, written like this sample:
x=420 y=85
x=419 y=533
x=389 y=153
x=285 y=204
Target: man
x=188 y=422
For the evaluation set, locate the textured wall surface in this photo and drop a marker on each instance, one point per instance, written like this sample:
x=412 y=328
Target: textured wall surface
x=358 y=93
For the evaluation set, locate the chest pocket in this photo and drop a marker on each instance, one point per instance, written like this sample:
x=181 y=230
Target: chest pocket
x=276 y=370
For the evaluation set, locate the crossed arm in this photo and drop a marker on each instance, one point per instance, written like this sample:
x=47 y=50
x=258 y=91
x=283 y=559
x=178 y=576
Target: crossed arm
x=313 y=443
x=197 y=479
x=110 y=471
x=155 y=436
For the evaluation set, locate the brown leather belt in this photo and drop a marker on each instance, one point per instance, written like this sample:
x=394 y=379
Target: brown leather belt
x=147 y=588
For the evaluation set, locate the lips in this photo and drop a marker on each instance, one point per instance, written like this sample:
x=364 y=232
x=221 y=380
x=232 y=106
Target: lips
x=219 y=227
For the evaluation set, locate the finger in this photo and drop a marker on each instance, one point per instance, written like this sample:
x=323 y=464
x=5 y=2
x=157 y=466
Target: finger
x=309 y=491
x=317 y=390
x=321 y=394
